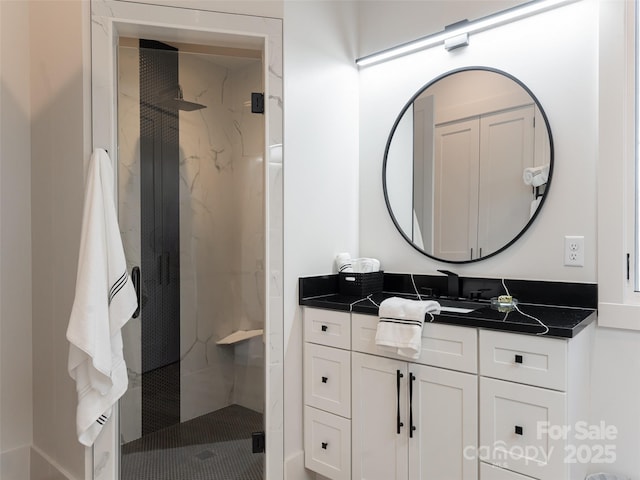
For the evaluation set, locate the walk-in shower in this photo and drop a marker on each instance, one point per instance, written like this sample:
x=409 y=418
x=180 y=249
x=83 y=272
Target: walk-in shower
x=191 y=211
x=174 y=99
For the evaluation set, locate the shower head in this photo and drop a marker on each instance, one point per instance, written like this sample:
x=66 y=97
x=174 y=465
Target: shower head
x=178 y=102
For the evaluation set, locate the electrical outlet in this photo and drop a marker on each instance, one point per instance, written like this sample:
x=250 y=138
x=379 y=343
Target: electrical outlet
x=574 y=251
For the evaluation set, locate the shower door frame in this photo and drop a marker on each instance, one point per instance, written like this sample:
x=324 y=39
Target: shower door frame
x=111 y=19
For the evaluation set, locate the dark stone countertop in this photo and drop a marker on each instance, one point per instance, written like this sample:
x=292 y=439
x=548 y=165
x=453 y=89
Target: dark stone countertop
x=564 y=321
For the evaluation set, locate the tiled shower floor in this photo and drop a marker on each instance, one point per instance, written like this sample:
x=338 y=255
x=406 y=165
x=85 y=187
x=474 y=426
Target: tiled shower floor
x=216 y=446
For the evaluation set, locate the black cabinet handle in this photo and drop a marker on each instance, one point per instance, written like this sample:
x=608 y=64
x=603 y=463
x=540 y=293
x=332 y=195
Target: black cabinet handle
x=324 y=328
x=324 y=379
x=159 y=270
x=324 y=445
x=412 y=427
x=518 y=358
x=399 y=424
x=518 y=430
x=135 y=279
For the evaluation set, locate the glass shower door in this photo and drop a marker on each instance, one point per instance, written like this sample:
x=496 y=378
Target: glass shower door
x=191 y=210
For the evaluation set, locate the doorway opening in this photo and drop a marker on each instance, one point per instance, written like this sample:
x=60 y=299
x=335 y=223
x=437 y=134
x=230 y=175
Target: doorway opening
x=191 y=190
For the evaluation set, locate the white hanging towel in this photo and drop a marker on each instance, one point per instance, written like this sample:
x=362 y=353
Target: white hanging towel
x=400 y=324
x=104 y=301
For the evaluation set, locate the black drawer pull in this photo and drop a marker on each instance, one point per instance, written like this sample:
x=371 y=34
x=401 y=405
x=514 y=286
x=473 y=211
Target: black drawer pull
x=518 y=358
x=399 y=424
x=518 y=430
x=412 y=427
x=324 y=328
x=324 y=445
x=324 y=379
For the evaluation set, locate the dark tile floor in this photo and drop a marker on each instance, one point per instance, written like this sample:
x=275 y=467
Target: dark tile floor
x=215 y=446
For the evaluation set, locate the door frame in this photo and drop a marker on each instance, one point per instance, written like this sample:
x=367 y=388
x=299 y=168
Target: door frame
x=111 y=19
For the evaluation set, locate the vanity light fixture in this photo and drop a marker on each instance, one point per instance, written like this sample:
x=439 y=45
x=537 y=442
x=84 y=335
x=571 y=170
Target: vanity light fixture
x=458 y=40
x=456 y=35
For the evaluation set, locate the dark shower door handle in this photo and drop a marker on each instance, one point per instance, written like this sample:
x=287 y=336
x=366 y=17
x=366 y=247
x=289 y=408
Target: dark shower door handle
x=168 y=269
x=135 y=279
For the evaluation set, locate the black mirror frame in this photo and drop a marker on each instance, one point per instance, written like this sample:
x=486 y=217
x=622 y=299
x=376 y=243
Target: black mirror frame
x=395 y=126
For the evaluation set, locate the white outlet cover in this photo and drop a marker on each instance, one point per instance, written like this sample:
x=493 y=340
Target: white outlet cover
x=574 y=251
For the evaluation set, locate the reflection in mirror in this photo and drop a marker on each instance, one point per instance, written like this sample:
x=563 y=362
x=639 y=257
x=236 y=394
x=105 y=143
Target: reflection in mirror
x=467 y=165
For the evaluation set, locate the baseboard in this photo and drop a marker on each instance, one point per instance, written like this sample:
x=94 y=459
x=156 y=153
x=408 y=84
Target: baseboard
x=294 y=468
x=43 y=467
x=14 y=464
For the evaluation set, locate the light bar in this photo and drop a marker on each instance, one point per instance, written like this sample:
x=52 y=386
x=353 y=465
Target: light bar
x=483 y=23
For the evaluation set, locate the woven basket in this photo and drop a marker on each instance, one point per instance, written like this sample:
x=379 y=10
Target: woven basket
x=360 y=284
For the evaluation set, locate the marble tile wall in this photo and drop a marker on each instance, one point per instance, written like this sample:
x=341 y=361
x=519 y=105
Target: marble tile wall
x=221 y=233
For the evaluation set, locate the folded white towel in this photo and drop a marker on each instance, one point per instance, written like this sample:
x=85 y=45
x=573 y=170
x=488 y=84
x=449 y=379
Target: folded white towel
x=400 y=324
x=536 y=176
x=365 y=265
x=104 y=301
x=343 y=263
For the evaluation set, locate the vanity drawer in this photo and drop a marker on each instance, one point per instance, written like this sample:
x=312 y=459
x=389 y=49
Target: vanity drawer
x=490 y=472
x=327 y=327
x=327 y=444
x=511 y=433
x=540 y=361
x=327 y=379
x=446 y=346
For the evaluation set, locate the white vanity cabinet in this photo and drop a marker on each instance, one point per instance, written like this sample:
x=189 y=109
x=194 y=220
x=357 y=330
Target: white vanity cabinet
x=402 y=419
x=476 y=404
x=327 y=393
x=529 y=385
x=412 y=421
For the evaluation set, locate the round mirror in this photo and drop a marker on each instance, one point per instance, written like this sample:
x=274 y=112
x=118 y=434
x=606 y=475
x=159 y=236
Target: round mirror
x=467 y=165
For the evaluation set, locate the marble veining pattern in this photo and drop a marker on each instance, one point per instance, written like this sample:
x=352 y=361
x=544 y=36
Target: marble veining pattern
x=221 y=229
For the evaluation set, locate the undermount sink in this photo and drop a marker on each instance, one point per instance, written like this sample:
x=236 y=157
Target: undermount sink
x=459 y=306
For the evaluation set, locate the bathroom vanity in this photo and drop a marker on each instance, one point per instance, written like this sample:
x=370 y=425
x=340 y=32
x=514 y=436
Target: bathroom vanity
x=478 y=403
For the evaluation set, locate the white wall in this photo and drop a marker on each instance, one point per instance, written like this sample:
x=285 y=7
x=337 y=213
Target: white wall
x=383 y=24
x=565 y=80
x=567 y=92
x=15 y=241
x=59 y=147
x=259 y=8
x=616 y=383
x=320 y=171
x=321 y=189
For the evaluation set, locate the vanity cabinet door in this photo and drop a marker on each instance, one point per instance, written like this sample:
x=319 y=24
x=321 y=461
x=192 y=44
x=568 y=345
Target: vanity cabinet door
x=327 y=443
x=326 y=327
x=538 y=361
x=438 y=417
x=511 y=420
x=443 y=404
x=379 y=452
x=327 y=379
